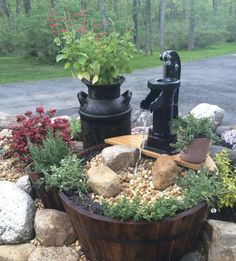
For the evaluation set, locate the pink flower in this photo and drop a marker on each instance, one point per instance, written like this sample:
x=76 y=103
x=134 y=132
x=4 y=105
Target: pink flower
x=51 y=112
x=53 y=25
x=40 y=109
x=20 y=118
x=28 y=113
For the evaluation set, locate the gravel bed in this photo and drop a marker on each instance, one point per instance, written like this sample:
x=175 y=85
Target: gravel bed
x=136 y=182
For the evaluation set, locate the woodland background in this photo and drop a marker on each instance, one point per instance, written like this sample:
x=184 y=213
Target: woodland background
x=28 y=27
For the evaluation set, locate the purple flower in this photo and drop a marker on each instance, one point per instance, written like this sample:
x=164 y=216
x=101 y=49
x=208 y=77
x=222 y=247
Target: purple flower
x=229 y=137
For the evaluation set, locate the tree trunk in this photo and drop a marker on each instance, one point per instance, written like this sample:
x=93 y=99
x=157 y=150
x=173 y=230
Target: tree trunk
x=84 y=4
x=4 y=9
x=136 y=23
x=148 y=34
x=116 y=9
x=27 y=6
x=191 y=33
x=215 y=5
x=17 y=7
x=161 y=24
x=53 y=3
x=102 y=10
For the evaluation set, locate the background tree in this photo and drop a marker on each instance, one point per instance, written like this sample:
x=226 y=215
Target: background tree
x=192 y=21
x=28 y=27
x=148 y=32
x=136 y=4
x=161 y=24
x=4 y=8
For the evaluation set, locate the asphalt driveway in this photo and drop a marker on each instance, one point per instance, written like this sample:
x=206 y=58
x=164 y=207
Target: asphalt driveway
x=212 y=81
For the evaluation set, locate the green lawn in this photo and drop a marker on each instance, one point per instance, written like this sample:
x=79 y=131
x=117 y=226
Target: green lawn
x=18 y=69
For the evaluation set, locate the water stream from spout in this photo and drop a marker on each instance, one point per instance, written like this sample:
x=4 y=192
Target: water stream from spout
x=145 y=130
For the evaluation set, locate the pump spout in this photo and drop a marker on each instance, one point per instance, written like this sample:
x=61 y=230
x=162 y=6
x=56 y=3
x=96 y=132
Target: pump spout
x=171 y=71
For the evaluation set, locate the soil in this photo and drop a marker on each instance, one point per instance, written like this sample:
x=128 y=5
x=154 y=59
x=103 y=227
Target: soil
x=87 y=203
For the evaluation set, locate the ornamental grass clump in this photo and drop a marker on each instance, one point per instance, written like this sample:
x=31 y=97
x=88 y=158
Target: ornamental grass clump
x=188 y=128
x=50 y=152
x=33 y=128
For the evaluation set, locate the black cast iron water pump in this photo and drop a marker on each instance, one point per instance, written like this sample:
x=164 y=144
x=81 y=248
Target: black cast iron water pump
x=162 y=101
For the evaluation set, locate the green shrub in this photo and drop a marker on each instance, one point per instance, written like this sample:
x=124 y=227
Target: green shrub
x=227 y=176
x=138 y=210
x=67 y=177
x=75 y=129
x=196 y=187
x=200 y=186
x=97 y=58
x=188 y=128
x=51 y=152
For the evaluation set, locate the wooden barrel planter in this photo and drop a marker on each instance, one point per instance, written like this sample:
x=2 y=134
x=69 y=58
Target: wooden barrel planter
x=106 y=239
x=50 y=198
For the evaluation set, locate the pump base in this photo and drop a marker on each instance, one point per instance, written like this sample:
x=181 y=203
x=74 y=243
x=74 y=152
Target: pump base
x=160 y=145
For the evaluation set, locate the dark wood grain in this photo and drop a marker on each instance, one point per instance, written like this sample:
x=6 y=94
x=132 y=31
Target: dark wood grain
x=106 y=239
x=50 y=198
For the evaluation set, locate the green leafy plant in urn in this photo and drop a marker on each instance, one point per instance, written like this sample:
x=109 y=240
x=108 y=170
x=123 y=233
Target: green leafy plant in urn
x=99 y=61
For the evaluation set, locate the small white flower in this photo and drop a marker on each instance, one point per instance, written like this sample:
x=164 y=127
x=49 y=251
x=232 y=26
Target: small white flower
x=213 y=210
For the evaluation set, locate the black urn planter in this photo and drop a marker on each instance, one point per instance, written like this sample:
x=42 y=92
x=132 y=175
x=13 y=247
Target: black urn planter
x=104 y=113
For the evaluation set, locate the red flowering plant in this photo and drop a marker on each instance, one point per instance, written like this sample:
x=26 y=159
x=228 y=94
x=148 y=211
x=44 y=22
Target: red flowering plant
x=33 y=128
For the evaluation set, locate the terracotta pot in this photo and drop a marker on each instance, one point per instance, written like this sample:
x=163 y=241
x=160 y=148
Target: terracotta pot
x=196 y=151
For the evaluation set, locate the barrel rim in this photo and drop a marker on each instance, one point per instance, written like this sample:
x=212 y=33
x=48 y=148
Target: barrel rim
x=98 y=217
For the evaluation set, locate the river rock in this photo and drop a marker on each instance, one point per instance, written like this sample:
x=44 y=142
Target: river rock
x=17 y=212
x=220 y=240
x=221 y=129
x=213 y=112
x=54 y=254
x=19 y=252
x=6 y=120
x=118 y=157
x=214 y=149
x=24 y=184
x=5 y=133
x=140 y=118
x=104 y=181
x=164 y=172
x=53 y=228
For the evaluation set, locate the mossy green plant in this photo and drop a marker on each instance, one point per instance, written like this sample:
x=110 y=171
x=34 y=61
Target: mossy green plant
x=227 y=176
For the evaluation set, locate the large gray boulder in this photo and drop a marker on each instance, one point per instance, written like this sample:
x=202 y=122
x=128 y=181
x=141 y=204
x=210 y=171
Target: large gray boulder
x=104 y=181
x=220 y=240
x=214 y=149
x=17 y=212
x=118 y=157
x=213 y=112
x=19 y=252
x=53 y=228
x=24 y=184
